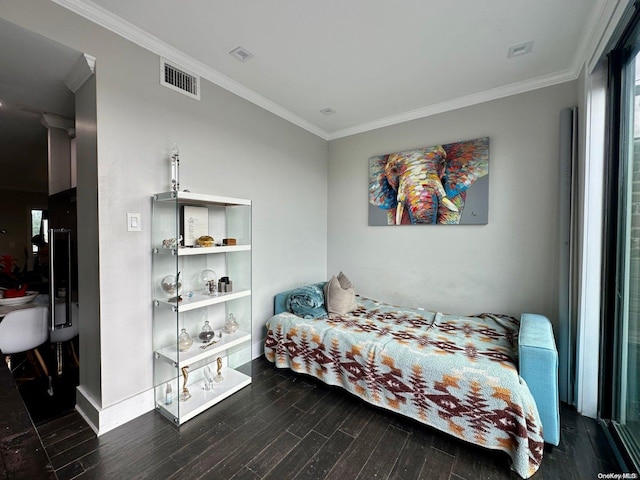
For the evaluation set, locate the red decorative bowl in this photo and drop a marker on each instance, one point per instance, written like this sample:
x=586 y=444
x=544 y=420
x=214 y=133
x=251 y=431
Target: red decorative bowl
x=16 y=292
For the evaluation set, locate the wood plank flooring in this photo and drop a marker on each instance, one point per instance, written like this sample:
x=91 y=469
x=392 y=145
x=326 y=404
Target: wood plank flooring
x=21 y=452
x=288 y=426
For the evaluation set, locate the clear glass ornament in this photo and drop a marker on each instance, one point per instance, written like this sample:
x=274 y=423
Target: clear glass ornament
x=210 y=281
x=231 y=325
x=175 y=168
x=206 y=333
x=184 y=340
x=170 y=285
x=168 y=394
x=208 y=378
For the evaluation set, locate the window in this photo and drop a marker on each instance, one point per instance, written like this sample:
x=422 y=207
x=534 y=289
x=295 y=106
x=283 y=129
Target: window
x=620 y=385
x=39 y=226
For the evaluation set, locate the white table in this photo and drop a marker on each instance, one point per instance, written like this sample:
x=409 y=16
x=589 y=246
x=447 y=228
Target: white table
x=4 y=309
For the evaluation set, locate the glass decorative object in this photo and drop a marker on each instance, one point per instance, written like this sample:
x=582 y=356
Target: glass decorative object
x=231 y=324
x=184 y=340
x=172 y=242
x=170 y=285
x=206 y=333
x=208 y=378
x=210 y=281
x=175 y=168
x=168 y=394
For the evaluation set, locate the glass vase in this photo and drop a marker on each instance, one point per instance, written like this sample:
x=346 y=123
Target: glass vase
x=206 y=333
x=231 y=325
x=184 y=340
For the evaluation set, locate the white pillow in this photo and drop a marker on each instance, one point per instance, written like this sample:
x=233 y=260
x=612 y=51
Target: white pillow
x=339 y=295
x=344 y=281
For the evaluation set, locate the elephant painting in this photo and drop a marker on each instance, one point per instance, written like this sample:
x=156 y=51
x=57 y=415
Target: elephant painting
x=427 y=185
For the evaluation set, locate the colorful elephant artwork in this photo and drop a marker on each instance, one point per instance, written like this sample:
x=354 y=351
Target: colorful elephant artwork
x=427 y=185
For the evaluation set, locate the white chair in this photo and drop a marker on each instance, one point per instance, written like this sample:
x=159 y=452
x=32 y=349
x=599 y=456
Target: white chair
x=66 y=334
x=42 y=299
x=23 y=331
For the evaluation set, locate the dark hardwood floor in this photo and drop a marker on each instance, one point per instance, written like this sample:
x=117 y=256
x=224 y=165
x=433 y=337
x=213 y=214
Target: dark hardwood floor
x=33 y=384
x=288 y=426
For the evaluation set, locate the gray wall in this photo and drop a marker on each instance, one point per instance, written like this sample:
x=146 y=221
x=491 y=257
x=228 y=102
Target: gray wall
x=88 y=239
x=508 y=266
x=59 y=160
x=228 y=147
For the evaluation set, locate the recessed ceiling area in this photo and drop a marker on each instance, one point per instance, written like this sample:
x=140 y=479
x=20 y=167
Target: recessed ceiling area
x=375 y=63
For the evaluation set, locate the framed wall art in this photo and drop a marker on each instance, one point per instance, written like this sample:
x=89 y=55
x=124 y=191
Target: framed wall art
x=441 y=184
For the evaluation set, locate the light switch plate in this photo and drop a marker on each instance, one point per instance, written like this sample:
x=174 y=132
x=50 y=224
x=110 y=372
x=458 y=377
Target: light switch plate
x=133 y=222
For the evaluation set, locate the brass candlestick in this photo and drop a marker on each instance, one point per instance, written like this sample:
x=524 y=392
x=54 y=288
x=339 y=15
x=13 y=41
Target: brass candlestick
x=185 y=395
x=218 y=378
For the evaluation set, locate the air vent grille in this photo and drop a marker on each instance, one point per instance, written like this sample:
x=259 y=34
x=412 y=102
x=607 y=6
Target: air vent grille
x=180 y=80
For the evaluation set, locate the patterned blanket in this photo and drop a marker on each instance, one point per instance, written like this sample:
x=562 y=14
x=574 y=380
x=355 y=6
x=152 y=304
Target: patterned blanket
x=456 y=374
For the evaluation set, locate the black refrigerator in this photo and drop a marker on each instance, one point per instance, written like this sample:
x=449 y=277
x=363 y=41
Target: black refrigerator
x=63 y=257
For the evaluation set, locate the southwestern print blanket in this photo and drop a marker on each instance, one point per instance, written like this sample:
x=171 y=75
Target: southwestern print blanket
x=456 y=374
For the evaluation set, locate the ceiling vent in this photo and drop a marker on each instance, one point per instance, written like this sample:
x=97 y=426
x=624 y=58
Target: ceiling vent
x=178 y=79
x=241 y=53
x=522 y=49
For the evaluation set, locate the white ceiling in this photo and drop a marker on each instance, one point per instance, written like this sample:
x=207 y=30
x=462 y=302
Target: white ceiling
x=374 y=62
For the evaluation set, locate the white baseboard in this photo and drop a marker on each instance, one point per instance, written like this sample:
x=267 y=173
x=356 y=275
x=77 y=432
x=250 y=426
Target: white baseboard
x=257 y=349
x=102 y=420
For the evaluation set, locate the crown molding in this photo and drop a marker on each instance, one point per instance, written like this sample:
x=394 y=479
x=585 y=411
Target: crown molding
x=461 y=102
x=51 y=120
x=592 y=31
x=606 y=28
x=82 y=71
x=121 y=27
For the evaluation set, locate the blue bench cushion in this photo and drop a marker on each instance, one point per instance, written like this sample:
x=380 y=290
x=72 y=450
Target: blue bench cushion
x=538 y=359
